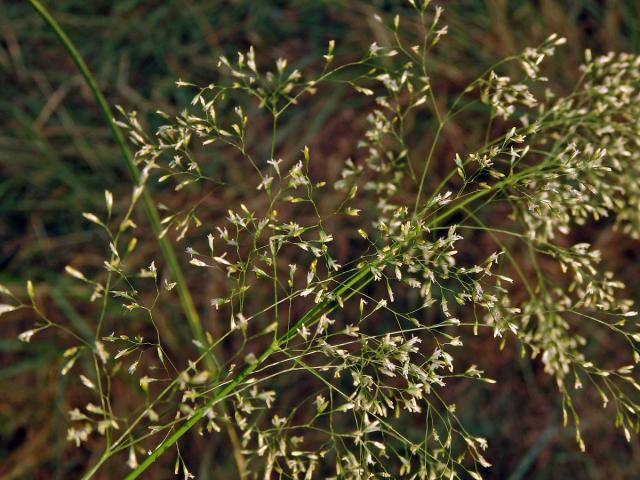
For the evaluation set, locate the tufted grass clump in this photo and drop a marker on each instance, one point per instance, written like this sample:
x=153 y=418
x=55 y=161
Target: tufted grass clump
x=341 y=369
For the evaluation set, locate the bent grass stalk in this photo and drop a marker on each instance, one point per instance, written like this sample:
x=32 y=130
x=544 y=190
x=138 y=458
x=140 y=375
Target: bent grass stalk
x=350 y=287
x=186 y=301
x=152 y=214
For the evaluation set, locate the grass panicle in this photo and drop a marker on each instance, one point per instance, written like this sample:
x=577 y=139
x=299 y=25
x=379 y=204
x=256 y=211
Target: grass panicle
x=342 y=300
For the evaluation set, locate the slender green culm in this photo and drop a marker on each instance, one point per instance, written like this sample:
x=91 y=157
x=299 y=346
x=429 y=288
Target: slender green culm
x=186 y=301
x=169 y=255
x=352 y=286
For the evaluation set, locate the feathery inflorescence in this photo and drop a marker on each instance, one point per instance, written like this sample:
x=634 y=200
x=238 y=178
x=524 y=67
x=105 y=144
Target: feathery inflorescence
x=368 y=347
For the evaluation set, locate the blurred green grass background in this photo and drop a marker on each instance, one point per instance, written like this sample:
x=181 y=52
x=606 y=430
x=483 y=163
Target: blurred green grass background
x=57 y=157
